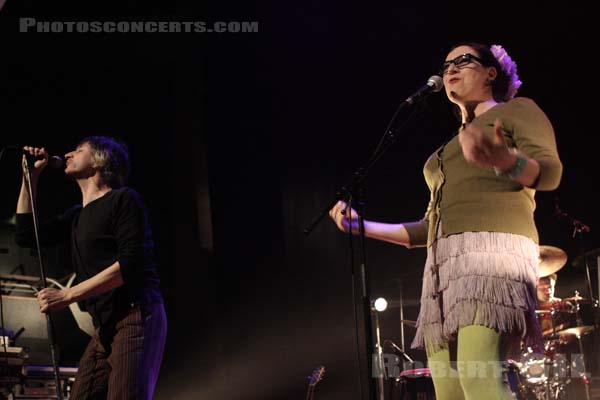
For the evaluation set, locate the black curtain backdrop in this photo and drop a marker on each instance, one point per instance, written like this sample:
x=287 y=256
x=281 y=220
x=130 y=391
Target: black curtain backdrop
x=238 y=141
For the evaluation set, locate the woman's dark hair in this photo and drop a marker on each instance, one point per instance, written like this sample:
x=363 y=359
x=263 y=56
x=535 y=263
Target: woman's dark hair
x=113 y=157
x=500 y=85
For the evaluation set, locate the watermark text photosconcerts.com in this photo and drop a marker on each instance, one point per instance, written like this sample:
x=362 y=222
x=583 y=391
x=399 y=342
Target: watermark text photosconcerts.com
x=31 y=25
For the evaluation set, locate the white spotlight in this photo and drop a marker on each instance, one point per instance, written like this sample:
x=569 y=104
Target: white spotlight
x=380 y=304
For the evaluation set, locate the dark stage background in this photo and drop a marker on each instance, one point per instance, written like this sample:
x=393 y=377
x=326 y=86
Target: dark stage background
x=238 y=141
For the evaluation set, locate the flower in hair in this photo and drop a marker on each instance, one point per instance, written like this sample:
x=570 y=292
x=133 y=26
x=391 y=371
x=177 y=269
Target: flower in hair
x=510 y=69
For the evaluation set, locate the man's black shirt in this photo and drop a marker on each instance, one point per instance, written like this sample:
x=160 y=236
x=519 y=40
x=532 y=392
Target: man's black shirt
x=111 y=228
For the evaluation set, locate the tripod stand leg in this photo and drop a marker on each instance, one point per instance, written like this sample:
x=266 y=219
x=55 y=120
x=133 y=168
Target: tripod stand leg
x=585 y=378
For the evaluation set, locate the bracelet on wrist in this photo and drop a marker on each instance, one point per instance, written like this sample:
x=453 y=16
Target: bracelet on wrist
x=517 y=168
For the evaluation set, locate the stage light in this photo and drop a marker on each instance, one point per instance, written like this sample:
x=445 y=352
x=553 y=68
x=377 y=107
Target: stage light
x=380 y=304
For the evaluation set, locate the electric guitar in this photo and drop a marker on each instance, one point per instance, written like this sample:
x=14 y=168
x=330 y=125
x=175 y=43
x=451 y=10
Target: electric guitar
x=315 y=378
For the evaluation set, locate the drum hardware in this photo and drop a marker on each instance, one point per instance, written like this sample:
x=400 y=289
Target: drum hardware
x=577 y=331
x=540 y=376
x=592 y=255
x=559 y=314
x=408 y=322
x=548 y=376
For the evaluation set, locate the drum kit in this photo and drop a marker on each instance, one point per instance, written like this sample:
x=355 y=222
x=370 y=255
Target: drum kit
x=562 y=365
x=565 y=325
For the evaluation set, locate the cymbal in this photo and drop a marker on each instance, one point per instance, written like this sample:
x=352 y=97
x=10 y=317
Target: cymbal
x=551 y=260
x=409 y=322
x=577 y=298
x=577 y=331
x=549 y=333
x=557 y=313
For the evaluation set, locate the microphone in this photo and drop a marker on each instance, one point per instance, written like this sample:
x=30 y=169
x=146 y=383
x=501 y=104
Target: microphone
x=398 y=350
x=435 y=83
x=53 y=161
x=561 y=215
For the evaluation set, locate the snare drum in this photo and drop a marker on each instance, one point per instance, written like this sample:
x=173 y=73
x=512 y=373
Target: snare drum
x=415 y=384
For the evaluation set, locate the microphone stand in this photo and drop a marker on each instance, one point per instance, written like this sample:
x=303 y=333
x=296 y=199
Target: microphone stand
x=434 y=84
x=354 y=190
x=401 y=317
x=579 y=228
x=49 y=326
x=380 y=374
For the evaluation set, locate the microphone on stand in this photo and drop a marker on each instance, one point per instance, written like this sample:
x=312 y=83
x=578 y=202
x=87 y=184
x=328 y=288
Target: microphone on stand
x=434 y=84
x=561 y=215
x=398 y=350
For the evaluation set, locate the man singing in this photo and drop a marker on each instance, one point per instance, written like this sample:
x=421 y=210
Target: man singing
x=117 y=281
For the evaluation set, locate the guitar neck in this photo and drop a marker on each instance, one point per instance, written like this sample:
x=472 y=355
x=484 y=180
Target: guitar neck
x=310 y=395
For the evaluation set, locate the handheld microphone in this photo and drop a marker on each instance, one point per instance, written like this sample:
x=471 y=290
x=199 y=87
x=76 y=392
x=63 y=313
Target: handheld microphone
x=53 y=161
x=434 y=84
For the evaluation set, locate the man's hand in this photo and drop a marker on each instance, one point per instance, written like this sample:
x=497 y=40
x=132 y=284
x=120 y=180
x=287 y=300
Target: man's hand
x=39 y=165
x=50 y=299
